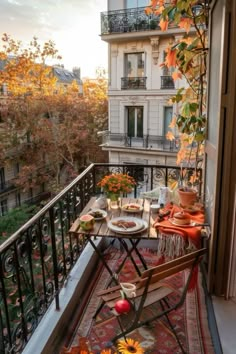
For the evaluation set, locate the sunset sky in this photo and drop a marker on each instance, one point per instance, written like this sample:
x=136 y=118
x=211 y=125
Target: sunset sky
x=73 y=25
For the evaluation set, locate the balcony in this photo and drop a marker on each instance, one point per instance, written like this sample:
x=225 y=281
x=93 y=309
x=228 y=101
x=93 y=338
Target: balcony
x=167 y=82
x=147 y=142
x=127 y=20
x=133 y=83
x=38 y=260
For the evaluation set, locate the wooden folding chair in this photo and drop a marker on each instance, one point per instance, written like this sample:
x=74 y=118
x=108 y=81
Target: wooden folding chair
x=151 y=289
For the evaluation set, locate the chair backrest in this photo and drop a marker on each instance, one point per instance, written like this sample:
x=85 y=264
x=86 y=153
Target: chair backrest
x=167 y=269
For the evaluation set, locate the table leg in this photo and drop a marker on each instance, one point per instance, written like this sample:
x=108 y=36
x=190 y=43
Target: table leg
x=113 y=275
x=129 y=254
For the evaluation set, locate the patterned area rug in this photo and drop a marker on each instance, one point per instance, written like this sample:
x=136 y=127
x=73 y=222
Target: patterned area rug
x=191 y=322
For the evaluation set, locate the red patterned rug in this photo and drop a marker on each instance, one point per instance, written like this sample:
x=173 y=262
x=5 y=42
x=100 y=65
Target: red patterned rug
x=191 y=321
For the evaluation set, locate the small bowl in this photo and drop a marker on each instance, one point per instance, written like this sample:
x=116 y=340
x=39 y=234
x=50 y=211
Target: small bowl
x=155 y=207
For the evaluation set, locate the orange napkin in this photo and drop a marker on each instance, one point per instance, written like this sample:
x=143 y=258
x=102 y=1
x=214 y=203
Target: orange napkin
x=192 y=234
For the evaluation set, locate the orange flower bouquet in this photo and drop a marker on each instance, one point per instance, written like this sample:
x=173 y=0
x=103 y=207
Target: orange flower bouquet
x=117 y=183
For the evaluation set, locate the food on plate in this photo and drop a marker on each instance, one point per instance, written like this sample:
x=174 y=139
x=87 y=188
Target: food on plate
x=96 y=214
x=181 y=218
x=124 y=223
x=131 y=207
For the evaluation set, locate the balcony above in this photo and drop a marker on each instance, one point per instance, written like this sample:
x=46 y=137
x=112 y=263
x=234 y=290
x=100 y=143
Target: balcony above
x=127 y=20
x=123 y=24
x=133 y=83
x=147 y=142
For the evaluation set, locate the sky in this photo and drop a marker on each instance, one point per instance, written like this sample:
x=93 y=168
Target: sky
x=73 y=25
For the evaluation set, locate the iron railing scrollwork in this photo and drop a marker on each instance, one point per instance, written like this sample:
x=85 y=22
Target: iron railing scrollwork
x=167 y=82
x=128 y=20
x=133 y=83
x=35 y=262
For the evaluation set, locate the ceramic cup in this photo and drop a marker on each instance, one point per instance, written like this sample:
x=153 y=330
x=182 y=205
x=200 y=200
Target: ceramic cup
x=128 y=289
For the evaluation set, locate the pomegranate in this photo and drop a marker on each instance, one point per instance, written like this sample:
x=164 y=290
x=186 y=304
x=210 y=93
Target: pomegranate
x=122 y=306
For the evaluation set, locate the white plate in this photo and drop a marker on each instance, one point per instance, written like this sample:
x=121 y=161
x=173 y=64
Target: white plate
x=192 y=223
x=128 y=208
x=139 y=224
x=101 y=211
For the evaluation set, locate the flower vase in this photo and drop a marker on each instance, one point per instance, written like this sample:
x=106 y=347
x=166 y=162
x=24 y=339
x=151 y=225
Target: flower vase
x=114 y=200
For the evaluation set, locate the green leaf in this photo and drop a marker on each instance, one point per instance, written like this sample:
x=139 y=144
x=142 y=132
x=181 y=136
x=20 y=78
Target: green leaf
x=182 y=45
x=193 y=45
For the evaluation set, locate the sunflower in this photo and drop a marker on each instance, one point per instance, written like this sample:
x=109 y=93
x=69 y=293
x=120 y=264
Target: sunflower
x=128 y=345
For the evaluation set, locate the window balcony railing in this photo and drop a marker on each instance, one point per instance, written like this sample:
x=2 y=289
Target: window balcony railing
x=133 y=83
x=167 y=82
x=36 y=261
x=7 y=185
x=146 y=142
x=128 y=20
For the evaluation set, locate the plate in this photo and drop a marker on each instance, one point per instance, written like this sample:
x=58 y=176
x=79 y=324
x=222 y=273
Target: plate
x=137 y=227
x=132 y=208
x=98 y=214
x=192 y=223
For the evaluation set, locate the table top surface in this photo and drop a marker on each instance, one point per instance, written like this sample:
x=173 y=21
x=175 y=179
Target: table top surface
x=101 y=228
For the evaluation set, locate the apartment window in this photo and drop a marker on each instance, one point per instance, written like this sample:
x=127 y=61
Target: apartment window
x=134 y=65
x=16 y=169
x=168 y=114
x=130 y=4
x=135 y=122
x=2 y=178
x=3 y=207
x=18 y=199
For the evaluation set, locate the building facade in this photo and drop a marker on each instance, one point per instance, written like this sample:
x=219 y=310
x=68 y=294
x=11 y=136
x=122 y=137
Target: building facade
x=140 y=88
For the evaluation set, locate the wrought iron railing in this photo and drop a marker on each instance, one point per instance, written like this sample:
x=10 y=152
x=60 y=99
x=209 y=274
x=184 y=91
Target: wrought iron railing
x=35 y=262
x=128 y=20
x=145 y=142
x=133 y=83
x=167 y=82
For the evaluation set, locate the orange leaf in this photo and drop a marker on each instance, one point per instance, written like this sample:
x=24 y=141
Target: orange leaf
x=185 y=23
x=176 y=75
x=170 y=57
x=170 y=136
x=172 y=123
x=164 y=25
x=148 y=11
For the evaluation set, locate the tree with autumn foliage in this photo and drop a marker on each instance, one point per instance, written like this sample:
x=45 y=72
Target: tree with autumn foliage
x=188 y=58
x=49 y=130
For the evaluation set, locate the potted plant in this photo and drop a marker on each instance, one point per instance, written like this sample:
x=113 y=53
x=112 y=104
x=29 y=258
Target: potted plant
x=153 y=24
x=115 y=184
x=187 y=58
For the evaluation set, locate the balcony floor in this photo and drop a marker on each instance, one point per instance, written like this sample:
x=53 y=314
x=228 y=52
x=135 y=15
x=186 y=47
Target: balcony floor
x=225 y=313
x=83 y=327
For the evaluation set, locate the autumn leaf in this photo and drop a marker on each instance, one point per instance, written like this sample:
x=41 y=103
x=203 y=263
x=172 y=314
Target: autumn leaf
x=173 y=123
x=176 y=75
x=174 y=185
x=148 y=11
x=185 y=23
x=170 y=57
x=170 y=136
x=163 y=25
